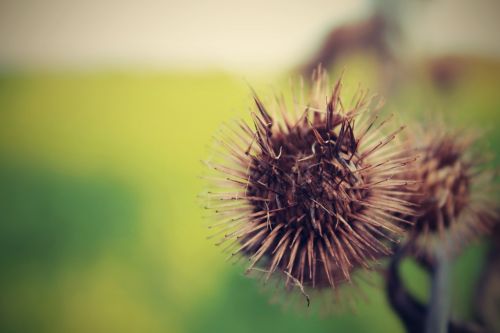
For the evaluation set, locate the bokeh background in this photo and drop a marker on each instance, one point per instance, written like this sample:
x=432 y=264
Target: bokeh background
x=107 y=108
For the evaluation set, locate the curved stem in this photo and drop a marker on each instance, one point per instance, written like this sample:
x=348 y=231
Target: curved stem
x=415 y=315
x=409 y=310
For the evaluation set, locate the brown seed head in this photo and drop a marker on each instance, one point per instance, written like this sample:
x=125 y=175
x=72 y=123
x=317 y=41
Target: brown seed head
x=456 y=199
x=310 y=195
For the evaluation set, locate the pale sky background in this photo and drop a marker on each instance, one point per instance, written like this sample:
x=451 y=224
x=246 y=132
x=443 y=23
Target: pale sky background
x=230 y=34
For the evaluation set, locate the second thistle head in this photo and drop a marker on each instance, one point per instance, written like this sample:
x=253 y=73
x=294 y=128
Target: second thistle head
x=310 y=194
x=456 y=198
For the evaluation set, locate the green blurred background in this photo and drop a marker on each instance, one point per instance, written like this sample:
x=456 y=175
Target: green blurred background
x=100 y=226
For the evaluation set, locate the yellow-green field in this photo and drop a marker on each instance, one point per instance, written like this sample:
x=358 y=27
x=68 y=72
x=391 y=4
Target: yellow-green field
x=101 y=229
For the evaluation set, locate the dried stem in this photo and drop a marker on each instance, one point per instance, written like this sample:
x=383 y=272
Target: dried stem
x=414 y=314
x=439 y=306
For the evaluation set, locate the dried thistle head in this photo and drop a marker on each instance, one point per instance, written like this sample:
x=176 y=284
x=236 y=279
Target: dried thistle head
x=310 y=194
x=456 y=199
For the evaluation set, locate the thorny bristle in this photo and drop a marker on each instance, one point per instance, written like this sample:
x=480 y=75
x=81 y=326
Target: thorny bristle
x=456 y=196
x=310 y=195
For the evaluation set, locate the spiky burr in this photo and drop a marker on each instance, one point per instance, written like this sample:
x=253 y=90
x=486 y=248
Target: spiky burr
x=310 y=192
x=456 y=198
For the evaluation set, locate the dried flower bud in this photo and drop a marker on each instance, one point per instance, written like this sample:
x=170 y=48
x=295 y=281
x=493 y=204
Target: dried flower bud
x=311 y=194
x=456 y=199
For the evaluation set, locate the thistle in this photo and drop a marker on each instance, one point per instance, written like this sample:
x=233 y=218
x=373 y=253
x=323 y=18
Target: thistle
x=310 y=193
x=456 y=197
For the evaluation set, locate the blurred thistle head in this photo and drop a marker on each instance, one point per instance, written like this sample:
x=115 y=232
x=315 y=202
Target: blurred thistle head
x=456 y=199
x=308 y=193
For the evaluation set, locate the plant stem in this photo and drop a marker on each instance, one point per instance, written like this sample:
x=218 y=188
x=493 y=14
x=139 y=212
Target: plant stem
x=439 y=306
